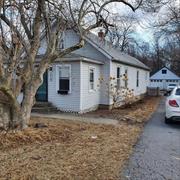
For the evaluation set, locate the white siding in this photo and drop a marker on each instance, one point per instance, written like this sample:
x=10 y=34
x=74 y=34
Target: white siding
x=80 y=99
x=70 y=102
x=90 y=99
x=163 y=80
x=163 y=84
x=89 y=51
x=71 y=38
x=168 y=75
x=132 y=77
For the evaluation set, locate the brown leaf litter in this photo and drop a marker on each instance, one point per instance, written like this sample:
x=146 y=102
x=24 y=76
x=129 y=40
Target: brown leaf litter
x=70 y=150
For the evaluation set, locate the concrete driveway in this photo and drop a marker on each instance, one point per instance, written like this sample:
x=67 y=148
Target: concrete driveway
x=157 y=154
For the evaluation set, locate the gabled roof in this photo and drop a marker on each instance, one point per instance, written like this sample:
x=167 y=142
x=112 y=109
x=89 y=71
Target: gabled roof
x=169 y=75
x=114 y=54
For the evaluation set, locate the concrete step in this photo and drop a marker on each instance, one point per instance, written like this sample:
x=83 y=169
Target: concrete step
x=44 y=107
x=43 y=104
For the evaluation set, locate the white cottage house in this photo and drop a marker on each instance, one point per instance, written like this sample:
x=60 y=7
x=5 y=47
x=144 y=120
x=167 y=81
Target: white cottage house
x=163 y=78
x=72 y=83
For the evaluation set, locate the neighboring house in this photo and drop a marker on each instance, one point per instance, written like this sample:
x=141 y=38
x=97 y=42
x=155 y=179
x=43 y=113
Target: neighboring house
x=72 y=83
x=163 y=78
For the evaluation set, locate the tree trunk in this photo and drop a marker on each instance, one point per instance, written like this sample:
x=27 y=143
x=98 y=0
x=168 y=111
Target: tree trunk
x=26 y=115
x=19 y=118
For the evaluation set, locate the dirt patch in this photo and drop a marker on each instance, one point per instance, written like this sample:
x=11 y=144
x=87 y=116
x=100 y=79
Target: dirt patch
x=67 y=150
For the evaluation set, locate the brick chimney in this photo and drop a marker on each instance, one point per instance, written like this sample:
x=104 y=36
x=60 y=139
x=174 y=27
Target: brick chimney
x=101 y=34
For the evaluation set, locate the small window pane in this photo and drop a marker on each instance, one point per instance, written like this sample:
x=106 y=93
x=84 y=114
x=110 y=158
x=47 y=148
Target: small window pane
x=91 y=79
x=118 y=72
x=64 y=84
x=137 y=79
x=118 y=78
x=64 y=79
x=64 y=72
x=91 y=75
x=164 y=71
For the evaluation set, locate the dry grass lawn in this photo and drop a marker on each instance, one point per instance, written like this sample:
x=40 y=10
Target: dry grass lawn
x=70 y=150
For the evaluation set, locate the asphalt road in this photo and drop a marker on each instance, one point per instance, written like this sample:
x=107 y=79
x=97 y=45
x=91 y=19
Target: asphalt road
x=157 y=154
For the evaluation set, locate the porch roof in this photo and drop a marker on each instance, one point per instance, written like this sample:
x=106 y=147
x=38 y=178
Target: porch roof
x=74 y=58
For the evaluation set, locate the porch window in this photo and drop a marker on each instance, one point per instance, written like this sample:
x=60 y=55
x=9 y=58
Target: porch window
x=137 y=79
x=91 y=78
x=64 y=80
x=118 y=78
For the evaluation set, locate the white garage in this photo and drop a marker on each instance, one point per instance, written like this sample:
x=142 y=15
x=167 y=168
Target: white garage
x=163 y=78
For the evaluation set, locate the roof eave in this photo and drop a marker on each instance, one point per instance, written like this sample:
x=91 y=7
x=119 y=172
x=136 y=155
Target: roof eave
x=133 y=65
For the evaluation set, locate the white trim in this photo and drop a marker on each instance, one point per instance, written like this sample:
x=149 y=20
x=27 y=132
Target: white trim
x=57 y=76
x=91 y=68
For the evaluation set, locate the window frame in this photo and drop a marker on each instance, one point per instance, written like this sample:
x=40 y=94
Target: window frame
x=118 y=79
x=58 y=76
x=89 y=83
x=164 y=70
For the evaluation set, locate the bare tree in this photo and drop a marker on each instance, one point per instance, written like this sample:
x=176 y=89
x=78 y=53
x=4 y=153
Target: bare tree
x=121 y=33
x=23 y=24
x=169 y=29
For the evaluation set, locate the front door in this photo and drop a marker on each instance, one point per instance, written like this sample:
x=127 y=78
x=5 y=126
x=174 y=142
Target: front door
x=42 y=92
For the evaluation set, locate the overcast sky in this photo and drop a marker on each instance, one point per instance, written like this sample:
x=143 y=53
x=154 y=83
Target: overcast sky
x=143 y=27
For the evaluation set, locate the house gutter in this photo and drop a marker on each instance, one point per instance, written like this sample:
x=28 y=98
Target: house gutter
x=132 y=65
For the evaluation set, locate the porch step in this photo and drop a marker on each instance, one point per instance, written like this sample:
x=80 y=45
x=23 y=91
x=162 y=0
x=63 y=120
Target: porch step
x=45 y=108
x=43 y=104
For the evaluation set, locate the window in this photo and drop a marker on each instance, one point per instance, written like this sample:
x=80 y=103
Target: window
x=178 y=92
x=137 y=79
x=118 y=77
x=64 y=79
x=164 y=71
x=91 y=78
x=126 y=78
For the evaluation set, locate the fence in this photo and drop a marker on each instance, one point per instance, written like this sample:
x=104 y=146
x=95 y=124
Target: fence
x=153 y=91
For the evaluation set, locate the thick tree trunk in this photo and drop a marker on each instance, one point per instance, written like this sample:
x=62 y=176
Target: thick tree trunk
x=26 y=115
x=19 y=118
